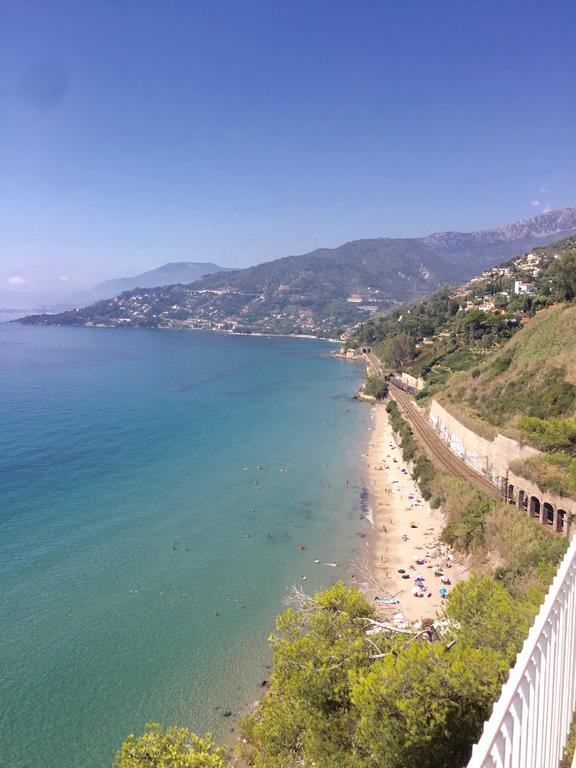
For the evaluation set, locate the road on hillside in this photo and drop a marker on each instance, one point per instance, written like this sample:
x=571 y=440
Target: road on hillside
x=437 y=450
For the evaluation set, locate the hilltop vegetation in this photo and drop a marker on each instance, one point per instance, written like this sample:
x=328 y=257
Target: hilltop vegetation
x=499 y=360
x=456 y=329
x=533 y=375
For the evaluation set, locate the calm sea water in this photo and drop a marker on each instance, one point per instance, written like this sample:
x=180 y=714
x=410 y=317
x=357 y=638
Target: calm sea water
x=135 y=525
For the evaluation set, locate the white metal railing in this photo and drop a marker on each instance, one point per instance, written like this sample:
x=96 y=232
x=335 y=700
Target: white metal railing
x=530 y=721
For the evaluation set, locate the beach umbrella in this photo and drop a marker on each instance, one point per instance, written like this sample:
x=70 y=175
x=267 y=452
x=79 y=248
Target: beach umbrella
x=442 y=591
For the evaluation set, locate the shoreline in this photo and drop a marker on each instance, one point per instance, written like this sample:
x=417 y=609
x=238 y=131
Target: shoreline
x=405 y=535
x=17 y=321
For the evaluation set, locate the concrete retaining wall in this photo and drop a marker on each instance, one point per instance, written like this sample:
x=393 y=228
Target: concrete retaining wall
x=491 y=457
x=412 y=381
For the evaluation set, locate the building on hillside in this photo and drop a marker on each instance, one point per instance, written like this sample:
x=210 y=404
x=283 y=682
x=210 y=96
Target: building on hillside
x=520 y=286
x=485 y=306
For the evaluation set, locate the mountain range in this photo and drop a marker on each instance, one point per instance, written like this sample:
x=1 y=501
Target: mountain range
x=19 y=302
x=168 y=274
x=326 y=290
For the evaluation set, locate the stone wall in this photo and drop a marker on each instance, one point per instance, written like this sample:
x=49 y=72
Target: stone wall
x=557 y=512
x=491 y=457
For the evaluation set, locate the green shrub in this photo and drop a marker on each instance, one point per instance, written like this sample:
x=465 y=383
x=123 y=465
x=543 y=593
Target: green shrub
x=501 y=364
x=550 y=434
x=467 y=532
x=376 y=387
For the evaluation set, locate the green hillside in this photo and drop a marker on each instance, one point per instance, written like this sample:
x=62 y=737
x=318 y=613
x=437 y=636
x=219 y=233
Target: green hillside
x=533 y=374
x=455 y=330
x=324 y=292
x=499 y=360
x=528 y=390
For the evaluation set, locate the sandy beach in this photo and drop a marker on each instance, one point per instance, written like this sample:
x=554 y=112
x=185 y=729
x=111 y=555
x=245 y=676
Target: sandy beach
x=406 y=557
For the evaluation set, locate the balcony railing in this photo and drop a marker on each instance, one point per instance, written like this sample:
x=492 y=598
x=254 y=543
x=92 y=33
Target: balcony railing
x=530 y=721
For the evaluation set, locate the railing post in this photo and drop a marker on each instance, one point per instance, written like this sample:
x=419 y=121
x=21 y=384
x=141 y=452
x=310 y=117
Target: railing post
x=530 y=721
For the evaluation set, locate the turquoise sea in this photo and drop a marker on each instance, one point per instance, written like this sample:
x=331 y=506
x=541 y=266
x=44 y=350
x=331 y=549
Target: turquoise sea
x=143 y=556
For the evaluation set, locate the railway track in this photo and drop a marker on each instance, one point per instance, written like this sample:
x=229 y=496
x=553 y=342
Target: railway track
x=436 y=450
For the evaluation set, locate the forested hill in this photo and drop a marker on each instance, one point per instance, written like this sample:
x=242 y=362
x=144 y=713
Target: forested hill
x=454 y=329
x=319 y=293
x=527 y=389
x=500 y=361
x=322 y=292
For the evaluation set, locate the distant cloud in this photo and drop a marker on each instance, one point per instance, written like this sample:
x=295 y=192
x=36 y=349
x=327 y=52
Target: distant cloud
x=16 y=280
x=63 y=278
x=542 y=206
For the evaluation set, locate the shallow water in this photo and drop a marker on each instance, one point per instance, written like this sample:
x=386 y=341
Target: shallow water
x=134 y=524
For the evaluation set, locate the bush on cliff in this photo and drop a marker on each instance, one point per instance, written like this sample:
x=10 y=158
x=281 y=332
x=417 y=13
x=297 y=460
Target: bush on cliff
x=550 y=434
x=424 y=705
x=376 y=387
x=554 y=472
x=172 y=748
x=307 y=715
x=563 y=276
x=466 y=532
x=332 y=704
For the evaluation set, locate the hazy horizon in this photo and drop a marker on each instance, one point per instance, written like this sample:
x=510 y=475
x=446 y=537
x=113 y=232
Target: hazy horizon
x=17 y=287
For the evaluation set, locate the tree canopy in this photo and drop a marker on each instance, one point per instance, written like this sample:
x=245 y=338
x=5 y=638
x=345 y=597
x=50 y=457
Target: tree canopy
x=375 y=387
x=340 y=698
x=563 y=276
x=424 y=705
x=398 y=350
x=550 y=434
x=172 y=748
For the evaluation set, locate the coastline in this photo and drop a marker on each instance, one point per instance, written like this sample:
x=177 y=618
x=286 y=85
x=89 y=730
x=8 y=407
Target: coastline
x=17 y=321
x=404 y=530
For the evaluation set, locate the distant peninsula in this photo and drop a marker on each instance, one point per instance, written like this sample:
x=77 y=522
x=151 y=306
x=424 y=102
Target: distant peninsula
x=322 y=293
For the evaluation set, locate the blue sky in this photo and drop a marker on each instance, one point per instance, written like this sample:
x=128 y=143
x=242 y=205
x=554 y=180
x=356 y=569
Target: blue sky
x=135 y=132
